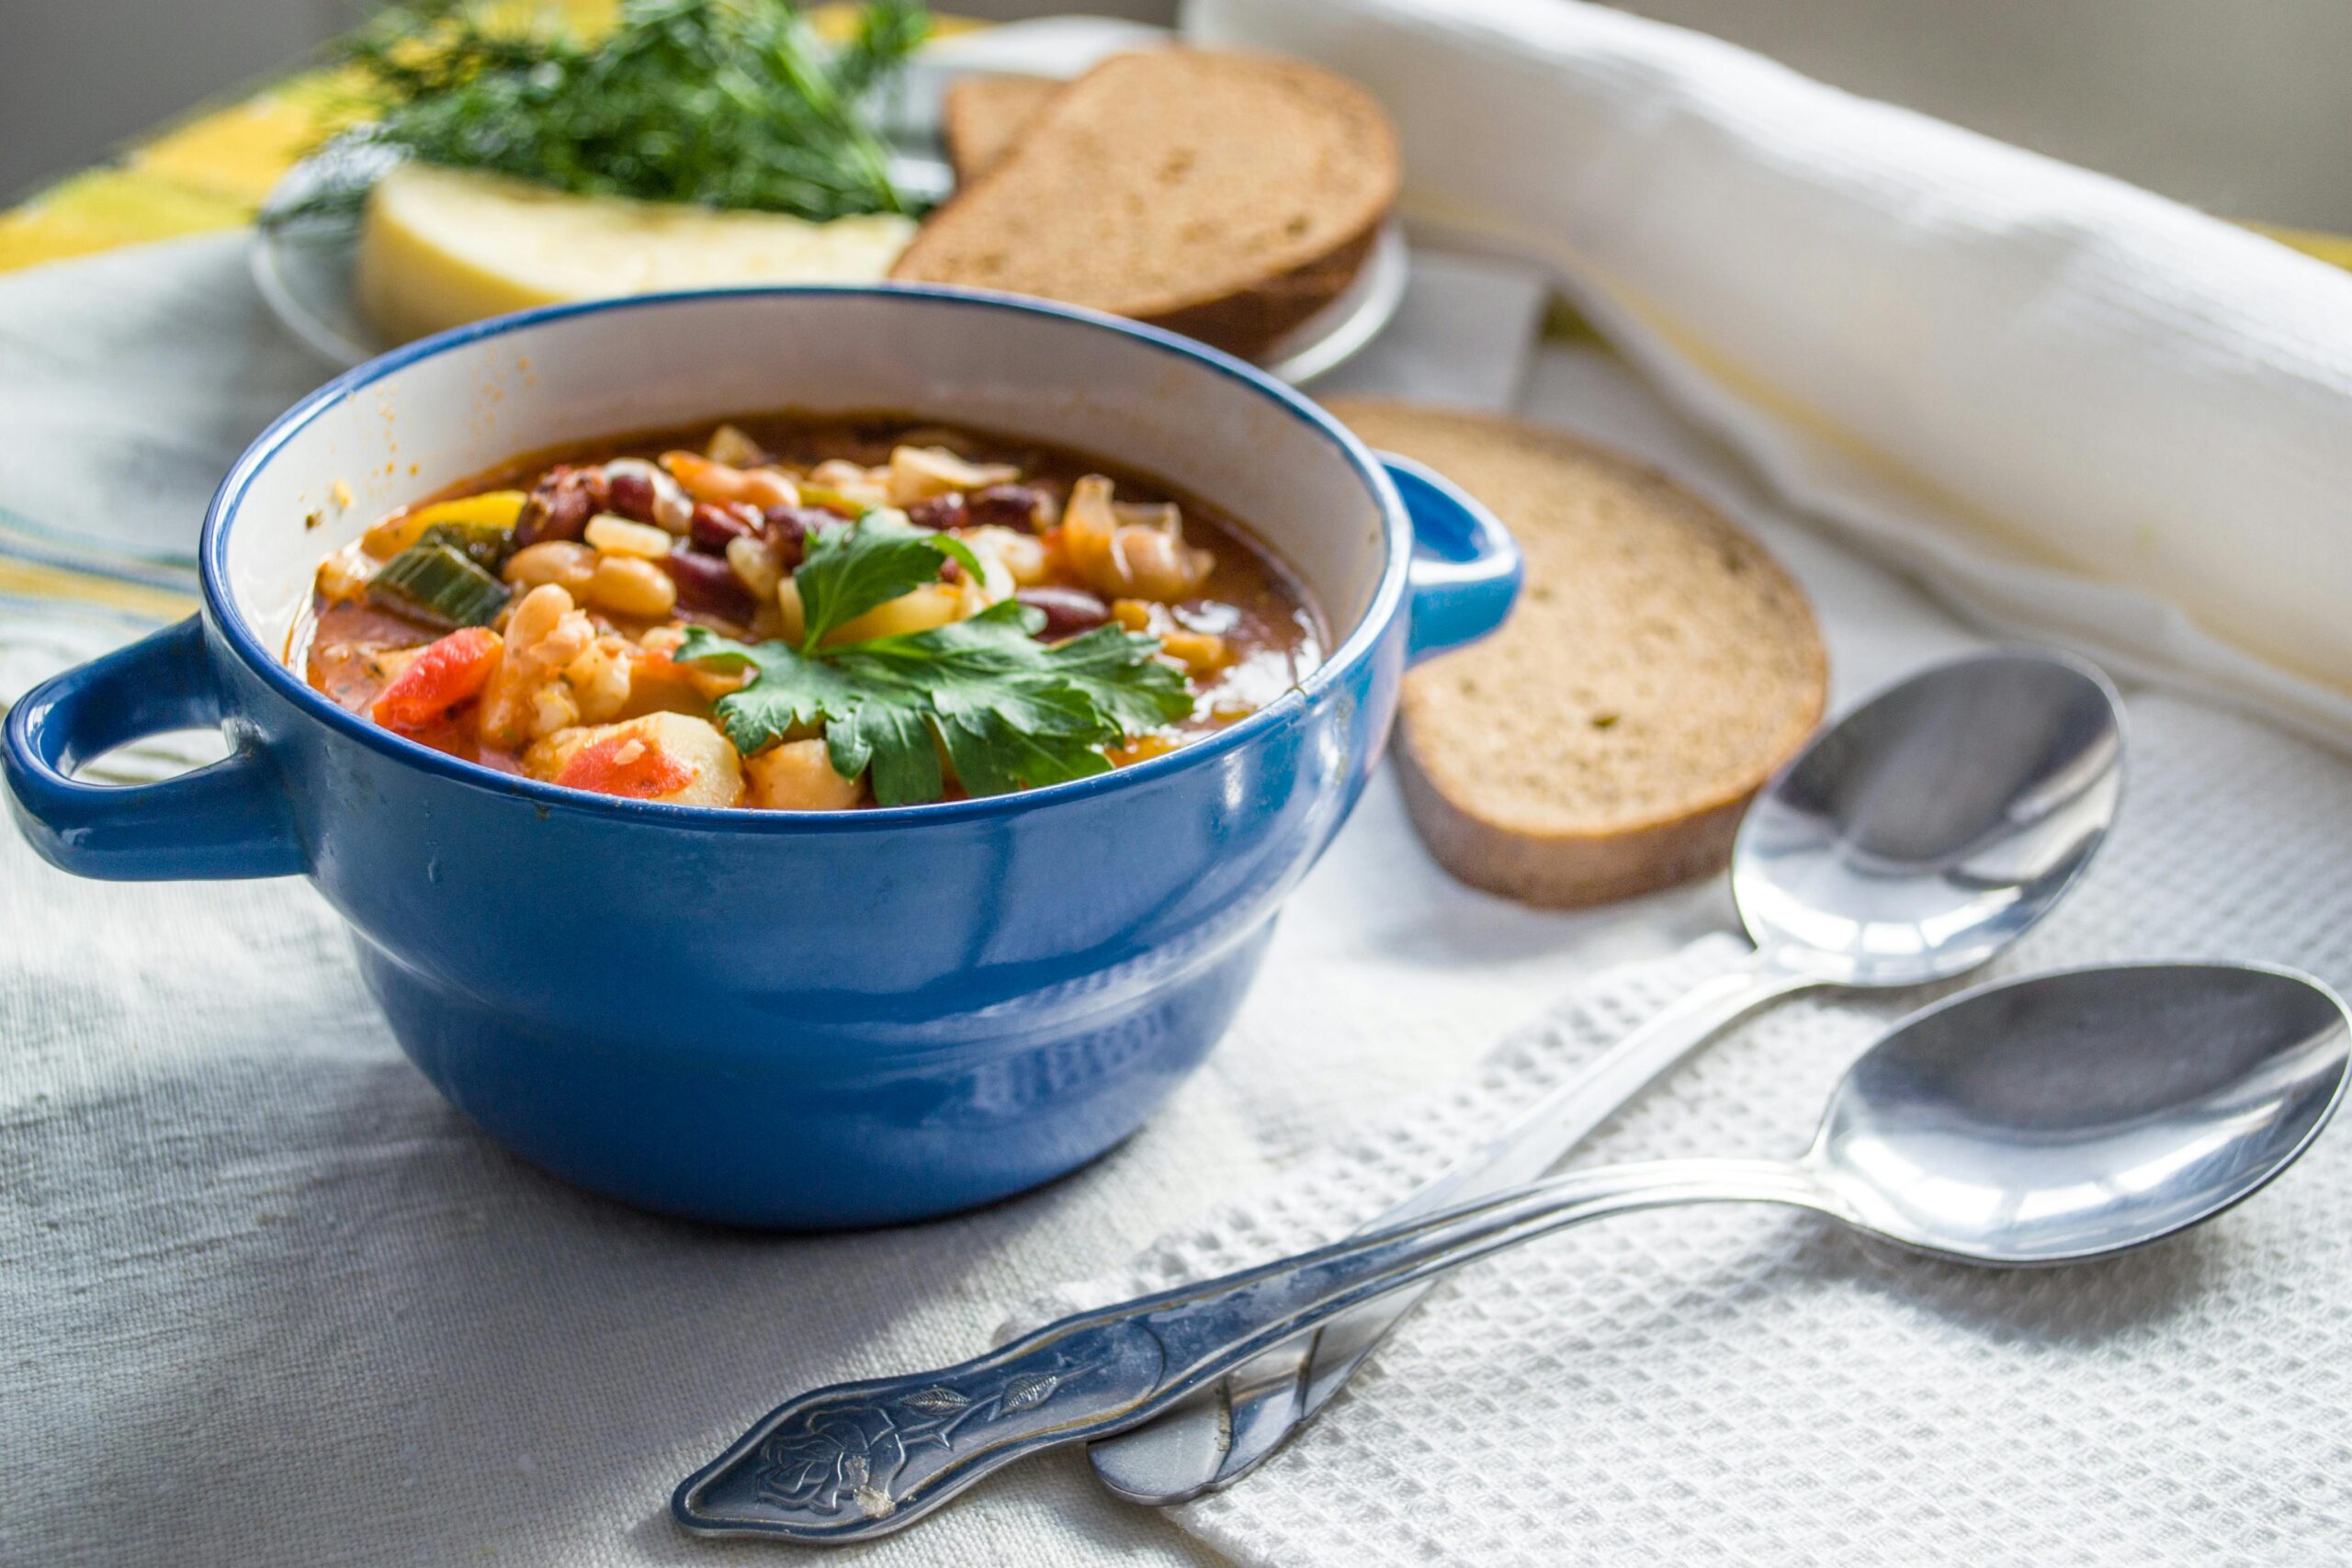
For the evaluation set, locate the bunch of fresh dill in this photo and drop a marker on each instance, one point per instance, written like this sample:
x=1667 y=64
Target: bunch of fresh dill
x=723 y=103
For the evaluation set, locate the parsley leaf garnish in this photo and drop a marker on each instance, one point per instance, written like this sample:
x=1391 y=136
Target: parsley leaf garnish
x=1010 y=712
x=853 y=567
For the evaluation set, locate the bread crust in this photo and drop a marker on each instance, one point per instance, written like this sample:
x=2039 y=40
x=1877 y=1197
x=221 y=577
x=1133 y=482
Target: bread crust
x=1568 y=871
x=1253 y=320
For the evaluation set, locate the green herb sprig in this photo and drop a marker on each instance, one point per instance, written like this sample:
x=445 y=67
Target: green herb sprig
x=724 y=103
x=1010 y=712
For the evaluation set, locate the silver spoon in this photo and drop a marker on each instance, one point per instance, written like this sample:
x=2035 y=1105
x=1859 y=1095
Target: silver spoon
x=1909 y=843
x=2053 y=1119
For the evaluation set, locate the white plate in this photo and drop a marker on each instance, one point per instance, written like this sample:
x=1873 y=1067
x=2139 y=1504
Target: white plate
x=304 y=273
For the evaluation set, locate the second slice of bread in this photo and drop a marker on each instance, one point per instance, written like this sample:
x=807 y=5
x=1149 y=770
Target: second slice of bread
x=980 y=116
x=1227 y=197
x=1658 y=667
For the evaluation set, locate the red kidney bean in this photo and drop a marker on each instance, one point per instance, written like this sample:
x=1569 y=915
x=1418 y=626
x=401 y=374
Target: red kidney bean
x=707 y=582
x=560 y=505
x=1005 y=506
x=715 y=522
x=950 y=570
x=939 y=511
x=789 y=528
x=1068 y=611
x=630 y=495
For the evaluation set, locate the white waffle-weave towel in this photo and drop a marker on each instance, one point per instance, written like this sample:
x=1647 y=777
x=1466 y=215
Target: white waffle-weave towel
x=1744 y=1387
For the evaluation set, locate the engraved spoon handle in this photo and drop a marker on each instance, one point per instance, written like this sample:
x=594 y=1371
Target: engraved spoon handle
x=857 y=1459
x=1228 y=1428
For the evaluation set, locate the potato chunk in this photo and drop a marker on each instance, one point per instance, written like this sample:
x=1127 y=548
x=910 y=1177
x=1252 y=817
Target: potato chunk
x=669 y=757
x=798 y=776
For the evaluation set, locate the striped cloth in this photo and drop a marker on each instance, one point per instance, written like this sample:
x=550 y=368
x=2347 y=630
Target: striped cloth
x=129 y=382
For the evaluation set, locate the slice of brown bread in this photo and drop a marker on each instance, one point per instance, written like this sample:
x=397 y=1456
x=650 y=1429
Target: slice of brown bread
x=1227 y=197
x=1657 y=667
x=980 y=116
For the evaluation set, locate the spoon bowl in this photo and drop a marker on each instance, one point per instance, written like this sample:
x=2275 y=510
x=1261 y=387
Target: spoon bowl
x=2082 y=1112
x=1934 y=824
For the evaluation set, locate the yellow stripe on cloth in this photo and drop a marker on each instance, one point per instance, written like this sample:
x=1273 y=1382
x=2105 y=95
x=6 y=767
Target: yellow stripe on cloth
x=38 y=580
x=104 y=209
x=238 y=154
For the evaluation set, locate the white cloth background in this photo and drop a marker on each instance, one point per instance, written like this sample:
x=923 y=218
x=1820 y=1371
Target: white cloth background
x=264 y=1299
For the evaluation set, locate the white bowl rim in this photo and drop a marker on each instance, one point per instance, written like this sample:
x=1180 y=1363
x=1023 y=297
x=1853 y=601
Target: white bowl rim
x=1354 y=648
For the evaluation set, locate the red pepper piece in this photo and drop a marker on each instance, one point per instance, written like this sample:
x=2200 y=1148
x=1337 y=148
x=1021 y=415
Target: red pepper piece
x=446 y=673
x=627 y=765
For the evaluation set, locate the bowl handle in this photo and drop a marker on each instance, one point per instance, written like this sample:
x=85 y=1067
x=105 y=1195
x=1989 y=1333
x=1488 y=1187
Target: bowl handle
x=228 y=819
x=1465 y=566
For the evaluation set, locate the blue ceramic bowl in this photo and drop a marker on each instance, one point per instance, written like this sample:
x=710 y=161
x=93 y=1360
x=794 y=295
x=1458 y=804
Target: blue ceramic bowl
x=795 y=1020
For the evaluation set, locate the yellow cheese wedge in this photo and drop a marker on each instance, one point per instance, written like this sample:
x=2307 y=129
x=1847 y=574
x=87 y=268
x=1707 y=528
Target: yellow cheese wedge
x=440 y=247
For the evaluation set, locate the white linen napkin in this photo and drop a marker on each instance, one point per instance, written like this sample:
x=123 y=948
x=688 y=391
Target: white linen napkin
x=2072 y=407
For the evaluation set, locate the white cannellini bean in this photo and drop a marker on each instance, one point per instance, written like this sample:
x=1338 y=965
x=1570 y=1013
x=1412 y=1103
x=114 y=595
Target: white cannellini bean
x=617 y=536
x=627 y=585
x=559 y=561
